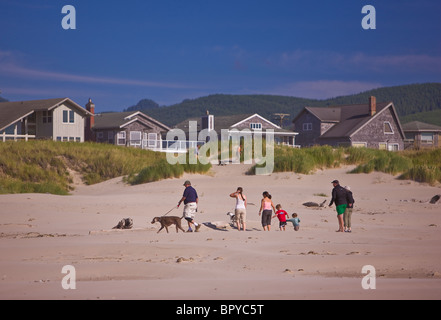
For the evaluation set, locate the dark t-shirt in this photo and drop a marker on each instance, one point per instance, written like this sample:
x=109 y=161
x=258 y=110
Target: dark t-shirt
x=190 y=195
x=338 y=196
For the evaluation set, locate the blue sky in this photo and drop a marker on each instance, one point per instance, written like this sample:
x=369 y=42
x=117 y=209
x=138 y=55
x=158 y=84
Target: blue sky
x=168 y=51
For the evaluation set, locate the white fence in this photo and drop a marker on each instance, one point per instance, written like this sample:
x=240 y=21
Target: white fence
x=7 y=137
x=175 y=146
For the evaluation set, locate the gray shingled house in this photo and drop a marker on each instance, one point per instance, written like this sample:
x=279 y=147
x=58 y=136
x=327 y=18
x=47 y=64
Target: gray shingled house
x=54 y=119
x=234 y=123
x=134 y=129
x=369 y=125
x=421 y=135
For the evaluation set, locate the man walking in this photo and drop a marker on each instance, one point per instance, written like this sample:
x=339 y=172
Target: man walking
x=340 y=199
x=190 y=199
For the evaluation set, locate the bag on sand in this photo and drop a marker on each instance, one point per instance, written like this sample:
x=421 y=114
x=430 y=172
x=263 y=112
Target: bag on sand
x=126 y=223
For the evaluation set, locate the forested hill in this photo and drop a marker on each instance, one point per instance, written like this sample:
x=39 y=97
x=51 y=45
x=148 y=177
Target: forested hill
x=408 y=100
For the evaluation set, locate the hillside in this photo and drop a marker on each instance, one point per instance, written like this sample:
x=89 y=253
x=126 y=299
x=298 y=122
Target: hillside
x=408 y=100
x=432 y=117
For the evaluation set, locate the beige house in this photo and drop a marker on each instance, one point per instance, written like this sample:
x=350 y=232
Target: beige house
x=422 y=135
x=53 y=119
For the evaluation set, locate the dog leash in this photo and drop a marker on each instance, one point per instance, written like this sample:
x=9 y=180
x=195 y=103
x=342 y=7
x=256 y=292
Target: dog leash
x=170 y=211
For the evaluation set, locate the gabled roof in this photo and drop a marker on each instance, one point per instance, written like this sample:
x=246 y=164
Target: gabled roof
x=118 y=120
x=259 y=117
x=352 y=119
x=11 y=112
x=417 y=126
x=228 y=122
x=348 y=119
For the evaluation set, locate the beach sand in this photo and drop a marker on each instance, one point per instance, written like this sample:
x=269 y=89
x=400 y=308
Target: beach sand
x=395 y=230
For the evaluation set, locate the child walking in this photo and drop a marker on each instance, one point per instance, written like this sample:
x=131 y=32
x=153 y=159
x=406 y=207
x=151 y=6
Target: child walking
x=281 y=215
x=295 y=221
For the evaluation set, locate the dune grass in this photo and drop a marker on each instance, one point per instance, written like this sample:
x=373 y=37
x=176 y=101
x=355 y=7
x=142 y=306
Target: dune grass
x=421 y=165
x=43 y=166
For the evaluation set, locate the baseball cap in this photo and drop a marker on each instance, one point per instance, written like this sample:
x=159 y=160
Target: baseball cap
x=335 y=181
x=187 y=183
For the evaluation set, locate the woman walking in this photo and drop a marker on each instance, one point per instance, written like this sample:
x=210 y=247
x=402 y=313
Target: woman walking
x=240 y=210
x=266 y=210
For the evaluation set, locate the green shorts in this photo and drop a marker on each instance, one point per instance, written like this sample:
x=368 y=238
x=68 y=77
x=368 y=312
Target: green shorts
x=341 y=209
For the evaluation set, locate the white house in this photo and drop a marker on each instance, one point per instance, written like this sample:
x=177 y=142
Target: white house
x=54 y=119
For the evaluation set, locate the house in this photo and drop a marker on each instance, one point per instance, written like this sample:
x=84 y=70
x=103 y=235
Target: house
x=369 y=125
x=54 y=119
x=421 y=135
x=235 y=124
x=134 y=129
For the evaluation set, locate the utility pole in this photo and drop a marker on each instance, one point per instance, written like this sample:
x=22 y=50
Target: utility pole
x=281 y=116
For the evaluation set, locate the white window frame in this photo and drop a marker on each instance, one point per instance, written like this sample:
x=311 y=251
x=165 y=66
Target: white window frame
x=70 y=116
x=393 y=147
x=151 y=143
x=134 y=140
x=120 y=137
x=425 y=140
x=256 y=126
x=390 y=126
x=364 y=144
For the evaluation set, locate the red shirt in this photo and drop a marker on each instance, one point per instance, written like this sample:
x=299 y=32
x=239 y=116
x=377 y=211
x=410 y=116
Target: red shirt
x=281 y=214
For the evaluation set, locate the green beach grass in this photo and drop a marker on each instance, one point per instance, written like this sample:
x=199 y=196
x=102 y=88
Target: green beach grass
x=43 y=166
x=419 y=165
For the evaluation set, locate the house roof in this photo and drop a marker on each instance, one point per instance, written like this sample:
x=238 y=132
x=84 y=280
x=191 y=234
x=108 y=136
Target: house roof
x=11 y=112
x=118 y=120
x=228 y=122
x=220 y=122
x=417 y=126
x=353 y=118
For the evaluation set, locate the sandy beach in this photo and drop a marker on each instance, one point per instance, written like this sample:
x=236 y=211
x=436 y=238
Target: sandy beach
x=394 y=229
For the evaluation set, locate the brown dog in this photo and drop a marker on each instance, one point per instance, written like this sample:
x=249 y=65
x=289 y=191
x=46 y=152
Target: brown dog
x=167 y=222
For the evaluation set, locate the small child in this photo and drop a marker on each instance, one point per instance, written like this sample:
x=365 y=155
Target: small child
x=295 y=221
x=281 y=215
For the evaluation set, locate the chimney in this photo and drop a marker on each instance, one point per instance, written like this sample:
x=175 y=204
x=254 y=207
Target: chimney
x=372 y=105
x=90 y=121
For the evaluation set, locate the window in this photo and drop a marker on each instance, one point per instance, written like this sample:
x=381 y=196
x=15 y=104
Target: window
x=121 y=138
x=359 y=144
x=152 y=140
x=382 y=146
x=256 y=126
x=58 y=138
x=77 y=139
x=47 y=116
x=307 y=127
x=100 y=135
x=68 y=116
x=393 y=147
x=135 y=138
x=110 y=137
x=388 y=128
x=427 y=137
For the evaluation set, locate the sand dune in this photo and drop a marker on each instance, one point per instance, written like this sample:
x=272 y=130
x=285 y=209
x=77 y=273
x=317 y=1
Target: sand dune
x=395 y=230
